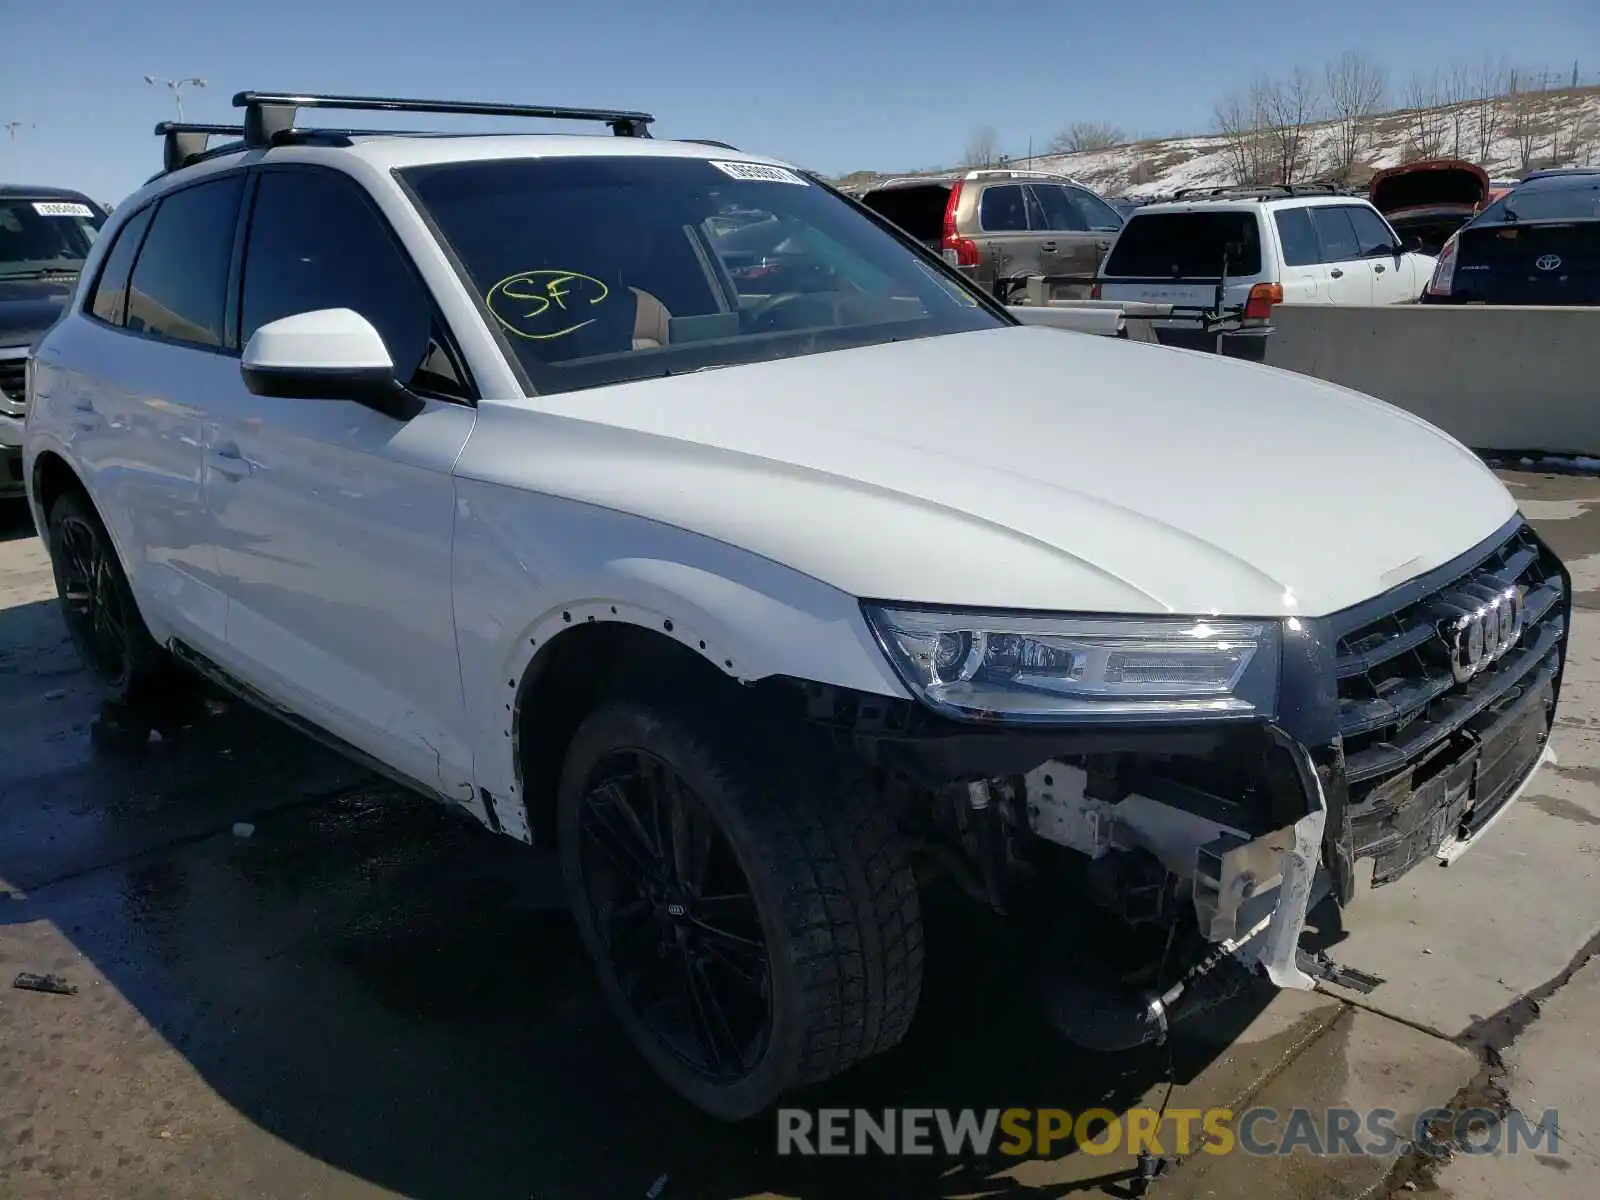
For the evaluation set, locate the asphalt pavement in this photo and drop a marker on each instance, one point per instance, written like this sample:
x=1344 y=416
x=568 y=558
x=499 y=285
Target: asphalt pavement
x=294 y=980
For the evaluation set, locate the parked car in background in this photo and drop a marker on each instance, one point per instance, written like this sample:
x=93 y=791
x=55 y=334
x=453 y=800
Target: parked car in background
x=1003 y=224
x=45 y=234
x=1537 y=244
x=1297 y=243
x=1428 y=201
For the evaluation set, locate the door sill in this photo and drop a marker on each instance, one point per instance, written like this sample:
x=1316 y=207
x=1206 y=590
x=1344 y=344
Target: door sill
x=213 y=672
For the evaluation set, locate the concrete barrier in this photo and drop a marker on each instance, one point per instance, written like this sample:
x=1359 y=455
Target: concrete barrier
x=1496 y=378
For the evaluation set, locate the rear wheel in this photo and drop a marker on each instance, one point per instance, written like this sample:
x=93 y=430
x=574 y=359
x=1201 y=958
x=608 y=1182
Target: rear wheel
x=753 y=929
x=96 y=604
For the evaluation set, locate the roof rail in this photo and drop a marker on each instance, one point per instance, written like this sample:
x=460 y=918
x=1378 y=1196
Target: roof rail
x=269 y=114
x=709 y=142
x=1265 y=190
x=183 y=143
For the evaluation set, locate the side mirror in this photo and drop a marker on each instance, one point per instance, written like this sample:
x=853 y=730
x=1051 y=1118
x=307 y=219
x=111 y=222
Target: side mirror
x=329 y=354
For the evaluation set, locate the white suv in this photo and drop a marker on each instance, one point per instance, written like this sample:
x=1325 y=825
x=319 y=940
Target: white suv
x=653 y=501
x=1295 y=244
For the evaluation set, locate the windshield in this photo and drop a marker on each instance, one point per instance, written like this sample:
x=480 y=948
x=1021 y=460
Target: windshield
x=43 y=236
x=600 y=270
x=1575 y=200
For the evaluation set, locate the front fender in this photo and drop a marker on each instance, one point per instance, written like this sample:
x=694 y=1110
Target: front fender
x=528 y=567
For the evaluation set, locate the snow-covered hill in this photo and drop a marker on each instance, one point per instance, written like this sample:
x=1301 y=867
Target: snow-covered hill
x=1539 y=130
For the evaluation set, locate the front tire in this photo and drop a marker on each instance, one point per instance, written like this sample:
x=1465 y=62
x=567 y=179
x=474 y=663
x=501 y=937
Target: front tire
x=754 y=924
x=97 y=605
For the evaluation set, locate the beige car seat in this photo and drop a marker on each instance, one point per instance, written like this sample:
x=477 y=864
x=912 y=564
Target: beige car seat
x=650 y=322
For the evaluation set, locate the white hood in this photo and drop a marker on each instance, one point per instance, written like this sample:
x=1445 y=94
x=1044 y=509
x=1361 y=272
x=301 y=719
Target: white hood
x=1022 y=468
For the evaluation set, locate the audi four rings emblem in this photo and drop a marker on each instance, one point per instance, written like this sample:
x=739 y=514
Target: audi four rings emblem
x=1547 y=262
x=1482 y=629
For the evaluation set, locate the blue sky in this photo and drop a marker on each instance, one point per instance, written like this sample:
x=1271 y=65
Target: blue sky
x=835 y=85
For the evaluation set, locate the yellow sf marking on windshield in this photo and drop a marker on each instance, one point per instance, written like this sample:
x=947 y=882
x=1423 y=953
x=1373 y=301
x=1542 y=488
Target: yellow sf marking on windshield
x=545 y=303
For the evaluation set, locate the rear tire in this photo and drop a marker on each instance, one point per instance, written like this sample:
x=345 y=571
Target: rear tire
x=98 y=606
x=821 y=968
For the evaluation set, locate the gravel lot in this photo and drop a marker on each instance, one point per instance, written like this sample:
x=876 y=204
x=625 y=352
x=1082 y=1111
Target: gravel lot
x=365 y=997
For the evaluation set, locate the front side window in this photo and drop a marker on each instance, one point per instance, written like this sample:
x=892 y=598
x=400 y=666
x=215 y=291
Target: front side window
x=45 y=236
x=315 y=243
x=180 y=282
x=1373 y=234
x=604 y=269
x=1097 y=214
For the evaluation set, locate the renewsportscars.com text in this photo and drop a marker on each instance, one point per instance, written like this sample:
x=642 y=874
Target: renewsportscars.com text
x=1043 y=1132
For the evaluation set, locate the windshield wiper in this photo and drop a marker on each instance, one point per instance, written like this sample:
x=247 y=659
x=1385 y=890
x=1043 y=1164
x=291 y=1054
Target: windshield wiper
x=39 y=272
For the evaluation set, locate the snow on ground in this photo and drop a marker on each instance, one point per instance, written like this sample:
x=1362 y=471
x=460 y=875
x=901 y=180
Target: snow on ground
x=1174 y=163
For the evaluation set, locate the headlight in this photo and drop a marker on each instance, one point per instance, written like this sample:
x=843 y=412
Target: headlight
x=1060 y=669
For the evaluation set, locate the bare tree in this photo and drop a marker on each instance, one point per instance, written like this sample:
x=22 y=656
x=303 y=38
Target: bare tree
x=983 y=148
x=1455 y=94
x=1490 y=84
x=1289 y=106
x=1522 y=122
x=1242 y=125
x=1576 y=139
x=1425 y=121
x=1356 y=86
x=1087 y=135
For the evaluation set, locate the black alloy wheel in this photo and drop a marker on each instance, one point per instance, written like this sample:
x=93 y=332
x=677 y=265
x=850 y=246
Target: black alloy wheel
x=676 y=915
x=97 y=606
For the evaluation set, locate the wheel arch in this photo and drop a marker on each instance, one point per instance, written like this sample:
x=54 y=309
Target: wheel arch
x=604 y=650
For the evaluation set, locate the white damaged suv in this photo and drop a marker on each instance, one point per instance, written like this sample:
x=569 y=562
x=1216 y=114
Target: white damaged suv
x=652 y=501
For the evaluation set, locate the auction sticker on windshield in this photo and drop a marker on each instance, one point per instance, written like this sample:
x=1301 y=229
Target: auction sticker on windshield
x=758 y=172
x=58 y=208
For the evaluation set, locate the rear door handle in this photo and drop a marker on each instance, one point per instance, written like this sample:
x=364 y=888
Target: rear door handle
x=1336 y=273
x=228 y=461
x=1048 y=247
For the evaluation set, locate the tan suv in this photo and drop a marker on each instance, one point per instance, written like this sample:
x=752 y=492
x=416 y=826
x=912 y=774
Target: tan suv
x=1002 y=224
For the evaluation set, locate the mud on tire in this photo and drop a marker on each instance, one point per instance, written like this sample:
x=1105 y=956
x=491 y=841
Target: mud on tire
x=831 y=887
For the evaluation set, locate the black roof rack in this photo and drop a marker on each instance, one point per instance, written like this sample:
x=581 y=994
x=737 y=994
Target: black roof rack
x=709 y=142
x=185 y=142
x=1265 y=191
x=269 y=114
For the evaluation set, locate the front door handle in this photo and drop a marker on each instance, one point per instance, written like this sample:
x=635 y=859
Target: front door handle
x=1048 y=247
x=1380 y=268
x=1336 y=273
x=226 y=460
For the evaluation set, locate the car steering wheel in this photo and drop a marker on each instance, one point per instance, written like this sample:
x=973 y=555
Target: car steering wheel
x=763 y=316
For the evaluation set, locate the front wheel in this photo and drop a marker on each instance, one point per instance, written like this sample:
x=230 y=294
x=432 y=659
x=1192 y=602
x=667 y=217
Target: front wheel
x=754 y=928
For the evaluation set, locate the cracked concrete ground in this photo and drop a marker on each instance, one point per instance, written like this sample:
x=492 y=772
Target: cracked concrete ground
x=367 y=998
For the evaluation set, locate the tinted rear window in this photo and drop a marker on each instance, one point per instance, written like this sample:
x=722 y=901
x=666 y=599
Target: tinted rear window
x=603 y=269
x=1183 y=244
x=1575 y=200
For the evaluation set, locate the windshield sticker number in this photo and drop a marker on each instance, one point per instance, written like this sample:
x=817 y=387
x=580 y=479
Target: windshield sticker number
x=545 y=303
x=57 y=208
x=758 y=173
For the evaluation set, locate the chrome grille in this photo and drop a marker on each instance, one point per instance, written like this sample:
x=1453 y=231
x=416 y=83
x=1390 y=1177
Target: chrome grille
x=1433 y=747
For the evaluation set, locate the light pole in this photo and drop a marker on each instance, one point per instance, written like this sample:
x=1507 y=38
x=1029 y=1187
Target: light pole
x=177 y=86
x=11 y=128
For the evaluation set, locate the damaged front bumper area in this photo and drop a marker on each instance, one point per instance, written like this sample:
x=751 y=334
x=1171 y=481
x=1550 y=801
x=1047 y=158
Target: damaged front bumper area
x=1404 y=727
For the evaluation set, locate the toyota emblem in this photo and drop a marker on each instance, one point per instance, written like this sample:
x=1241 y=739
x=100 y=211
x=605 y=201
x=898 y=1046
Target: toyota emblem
x=1548 y=262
